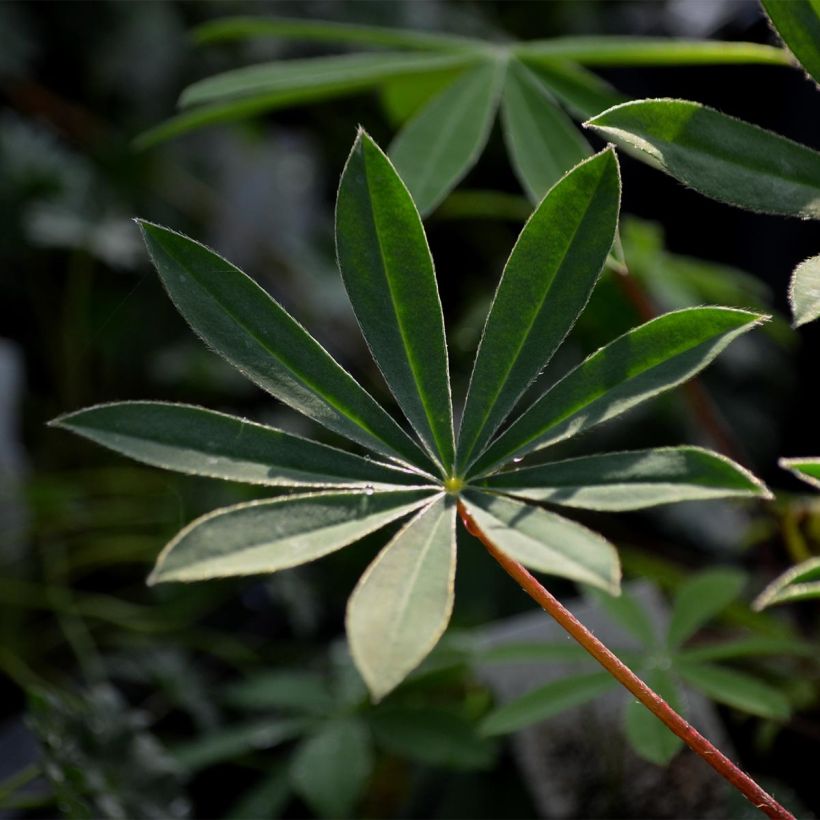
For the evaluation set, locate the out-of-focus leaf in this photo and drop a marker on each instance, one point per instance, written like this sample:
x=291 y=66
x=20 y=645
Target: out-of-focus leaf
x=267 y=798
x=536 y=652
x=700 y=599
x=434 y=736
x=747 y=648
x=631 y=480
x=798 y=24
x=722 y=157
x=626 y=611
x=544 y=541
x=637 y=366
x=266 y=536
x=546 y=701
x=289 y=690
x=647 y=735
x=402 y=603
x=388 y=272
x=804 y=291
x=555 y=262
x=736 y=689
x=330 y=770
x=542 y=141
x=806 y=469
x=796 y=584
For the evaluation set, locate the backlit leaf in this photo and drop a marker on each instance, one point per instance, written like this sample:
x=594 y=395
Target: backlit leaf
x=804 y=291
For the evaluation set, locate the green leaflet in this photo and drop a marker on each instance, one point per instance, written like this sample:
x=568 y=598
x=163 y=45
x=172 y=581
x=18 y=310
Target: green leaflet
x=796 y=584
x=628 y=51
x=402 y=603
x=806 y=469
x=266 y=536
x=546 y=701
x=626 y=611
x=240 y=28
x=804 y=291
x=546 y=542
x=637 y=366
x=700 y=599
x=719 y=156
x=289 y=689
x=268 y=797
x=736 y=689
x=236 y=318
x=335 y=74
x=203 y=442
x=746 y=648
x=541 y=140
x=445 y=138
x=388 y=272
x=546 y=283
x=648 y=736
x=631 y=480
x=330 y=770
x=798 y=24
x=525 y=652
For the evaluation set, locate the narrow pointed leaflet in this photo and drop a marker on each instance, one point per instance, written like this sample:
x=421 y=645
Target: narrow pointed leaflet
x=798 y=24
x=806 y=469
x=402 y=603
x=637 y=366
x=203 y=442
x=804 y=291
x=388 y=272
x=242 y=323
x=546 y=283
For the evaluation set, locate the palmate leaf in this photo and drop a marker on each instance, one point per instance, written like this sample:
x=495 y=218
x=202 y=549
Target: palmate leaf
x=746 y=648
x=798 y=24
x=804 y=291
x=631 y=480
x=388 y=272
x=647 y=735
x=545 y=285
x=799 y=583
x=637 y=366
x=719 y=156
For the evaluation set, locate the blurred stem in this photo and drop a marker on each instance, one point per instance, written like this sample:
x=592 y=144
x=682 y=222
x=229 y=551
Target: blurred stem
x=629 y=680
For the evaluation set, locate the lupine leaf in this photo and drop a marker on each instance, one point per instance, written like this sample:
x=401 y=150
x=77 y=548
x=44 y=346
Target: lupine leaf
x=630 y=480
x=289 y=689
x=806 y=469
x=637 y=366
x=388 y=272
x=630 y=614
x=331 y=769
x=334 y=75
x=546 y=283
x=203 y=442
x=796 y=584
x=526 y=652
x=266 y=798
x=647 y=735
x=746 y=648
x=402 y=603
x=542 y=141
x=546 y=701
x=546 y=542
x=629 y=51
x=722 y=157
x=241 y=322
x=241 y=28
x=442 y=142
x=700 y=599
x=804 y=291
x=266 y=536
x=798 y=24
x=736 y=689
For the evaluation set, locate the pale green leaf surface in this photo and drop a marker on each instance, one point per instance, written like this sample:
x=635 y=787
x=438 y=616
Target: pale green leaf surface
x=330 y=770
x=388 y=272
x=336 y=73
x=637 y=366
x=546 y=282
x=289 y=689
x=721 y=157
x=266 y=536
x=647 y=735
x=798 y=24
x=241 y=28
x=804 y=291
x=806 y=469
x=631 y=480
x=700 y=599
x=736 y=689
x=546 y=701
x=203 y=442
x=545 y=542
x=747 y=648
x=796 y=584
x=542 y=141
x=242 y=323
x=402 y=604
x=444 y=139
x=636 y=51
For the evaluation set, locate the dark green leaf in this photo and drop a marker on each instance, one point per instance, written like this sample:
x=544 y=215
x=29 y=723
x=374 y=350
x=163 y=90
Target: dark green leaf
x=546 y=283
x=796 y=584
x=290 y=690
x=746 y=648
x=647 y=735
x=388 y=272
x=804 y=291
x=531 y=653
x=719 y=156
x=266 y=799
x=798 y=24
x=629 y=614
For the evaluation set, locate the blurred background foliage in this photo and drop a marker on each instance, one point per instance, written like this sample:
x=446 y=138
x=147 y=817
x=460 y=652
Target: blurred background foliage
x=235 y=698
